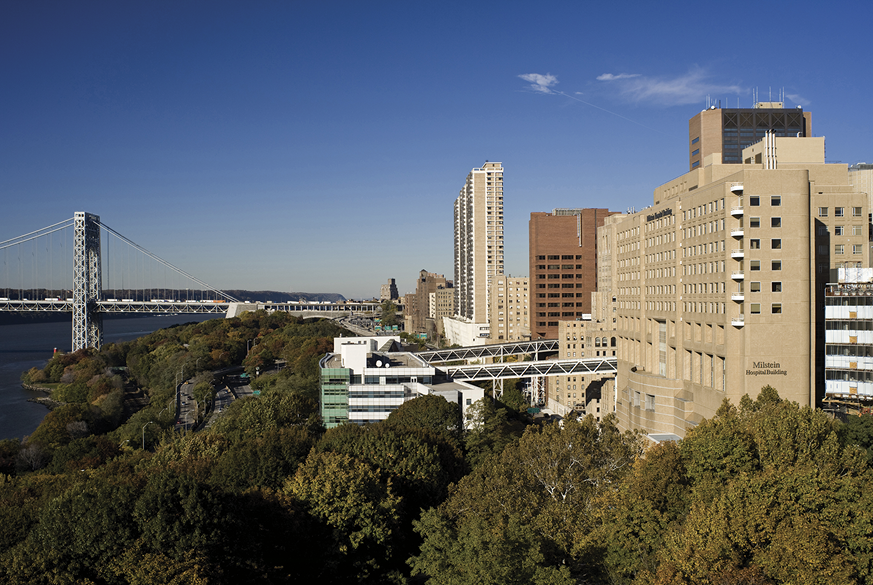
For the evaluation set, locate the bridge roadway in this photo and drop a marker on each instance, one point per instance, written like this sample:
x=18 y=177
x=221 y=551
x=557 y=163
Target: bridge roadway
x=172 y=306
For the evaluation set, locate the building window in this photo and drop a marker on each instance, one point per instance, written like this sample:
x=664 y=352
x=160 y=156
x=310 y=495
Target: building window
x=754 y=201
x=856 y=249
x=822 y=211
x=776 y=244
x=755 y=265
x=775 y=222
x=776 y=286
x=754 y=222
x=696 y=140
x=838 y=230
x=755 y=244
x=650 y=402
x=695 y=164
x=776 y=265
x=822 y=250
x=822 y=230
x=775 y=200
x=856 y=212
x=754 y=287
x=838 y=249
x=838 y=212
x=695 y=152
x=776 y=308
x=857 y=230
x=755 y=308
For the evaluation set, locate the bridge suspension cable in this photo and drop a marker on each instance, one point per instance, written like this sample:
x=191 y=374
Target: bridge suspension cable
x=165 y=263
x=61 y=225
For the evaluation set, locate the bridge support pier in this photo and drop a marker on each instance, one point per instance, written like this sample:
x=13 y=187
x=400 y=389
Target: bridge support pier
x=87 y=285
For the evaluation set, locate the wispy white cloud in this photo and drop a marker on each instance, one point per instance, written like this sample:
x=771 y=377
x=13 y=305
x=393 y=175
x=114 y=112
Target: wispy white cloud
x=690 y=88
x=611 y=77
x=797 y=99
x=540 y=83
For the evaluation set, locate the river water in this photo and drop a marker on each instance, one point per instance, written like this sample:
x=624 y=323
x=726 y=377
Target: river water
x=26 y=346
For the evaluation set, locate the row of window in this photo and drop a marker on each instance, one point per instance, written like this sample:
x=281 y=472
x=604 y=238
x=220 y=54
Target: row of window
x=755 y=222
x=559 y=267
x=755 y=200
x=839 y=211
x=755 y=265
x=839 y=230
x=841 y=249
x=560 y=257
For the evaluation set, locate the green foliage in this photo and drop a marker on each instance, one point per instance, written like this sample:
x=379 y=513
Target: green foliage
x=473 y=553
x=513 y=397
x=549 y=483
x=420 y=463
x=490 y=430
x=361 y=509
x=859 y=431
x=176 y=514
x=83 y=453
x=254 y=416
x=265 y=460
x=431 y=412
x=389 y=314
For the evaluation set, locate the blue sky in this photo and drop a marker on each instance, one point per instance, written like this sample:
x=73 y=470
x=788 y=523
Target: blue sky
x=319 y=146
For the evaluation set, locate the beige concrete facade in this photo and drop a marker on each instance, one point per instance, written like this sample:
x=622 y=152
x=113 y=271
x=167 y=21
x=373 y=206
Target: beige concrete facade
x=478 y=241
x=582 y=394
x=441 y=303
x=719 y=285
x=510 y=309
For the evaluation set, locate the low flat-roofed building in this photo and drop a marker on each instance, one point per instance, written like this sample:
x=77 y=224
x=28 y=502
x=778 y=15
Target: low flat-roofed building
x=367 y=378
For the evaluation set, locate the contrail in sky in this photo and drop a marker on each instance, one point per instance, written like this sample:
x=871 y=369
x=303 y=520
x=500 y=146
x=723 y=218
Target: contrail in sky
x=605 y=110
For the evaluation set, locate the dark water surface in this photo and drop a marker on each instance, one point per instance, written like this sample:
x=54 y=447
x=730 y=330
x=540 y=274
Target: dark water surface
x=31 y=345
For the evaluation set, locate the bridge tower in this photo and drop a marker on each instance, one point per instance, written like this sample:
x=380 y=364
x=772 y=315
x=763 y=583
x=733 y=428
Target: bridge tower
x=87 y=285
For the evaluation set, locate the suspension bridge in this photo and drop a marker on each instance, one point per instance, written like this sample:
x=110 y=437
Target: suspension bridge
x=37 y=277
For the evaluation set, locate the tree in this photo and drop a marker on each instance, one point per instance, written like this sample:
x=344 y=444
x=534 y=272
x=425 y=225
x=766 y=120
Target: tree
x=389 y=314
x=859 y=431
x=176 y=514
x=432 y=412
x=349 y=496
x=550 y=482
x=489 y=431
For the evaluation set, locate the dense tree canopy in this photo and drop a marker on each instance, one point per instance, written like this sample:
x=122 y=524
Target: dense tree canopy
x=766 y=492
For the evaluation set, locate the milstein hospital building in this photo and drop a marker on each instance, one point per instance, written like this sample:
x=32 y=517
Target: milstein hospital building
x=718 y=288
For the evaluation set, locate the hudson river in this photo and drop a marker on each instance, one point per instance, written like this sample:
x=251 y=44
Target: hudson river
x=26 y=346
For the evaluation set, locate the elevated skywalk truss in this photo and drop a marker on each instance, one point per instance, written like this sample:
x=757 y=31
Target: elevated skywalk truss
x=544 y=346
x=504 y=371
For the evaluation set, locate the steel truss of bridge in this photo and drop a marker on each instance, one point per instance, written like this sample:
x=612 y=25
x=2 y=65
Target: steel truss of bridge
x=62 y=306
x=502 y=371
x=490 y=351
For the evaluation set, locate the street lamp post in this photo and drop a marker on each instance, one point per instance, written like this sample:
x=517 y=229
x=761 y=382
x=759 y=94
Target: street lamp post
x=143 y=433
